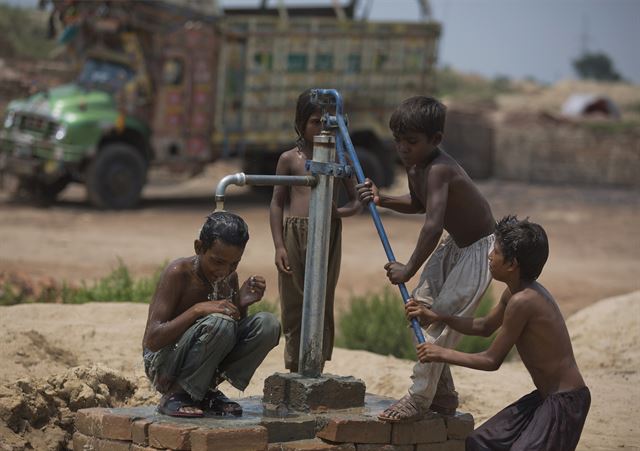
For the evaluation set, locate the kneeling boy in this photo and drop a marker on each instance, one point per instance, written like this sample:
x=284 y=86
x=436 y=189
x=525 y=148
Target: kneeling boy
x=198 y=332
x=552 y=416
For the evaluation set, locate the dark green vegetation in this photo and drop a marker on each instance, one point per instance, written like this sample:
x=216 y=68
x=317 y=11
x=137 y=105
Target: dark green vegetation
x=376 y=323
x=118 y=286
x=596 y=66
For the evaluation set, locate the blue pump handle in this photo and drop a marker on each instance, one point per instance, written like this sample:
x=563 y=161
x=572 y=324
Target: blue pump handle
x=345 y=141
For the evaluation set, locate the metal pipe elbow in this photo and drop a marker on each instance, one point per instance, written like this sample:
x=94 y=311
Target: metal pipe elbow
x=238 y=179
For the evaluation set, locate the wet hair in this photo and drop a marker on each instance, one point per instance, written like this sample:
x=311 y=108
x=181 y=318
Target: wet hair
x=226 y=227
x=304 y=109
x=525 y=242
x=419 y=114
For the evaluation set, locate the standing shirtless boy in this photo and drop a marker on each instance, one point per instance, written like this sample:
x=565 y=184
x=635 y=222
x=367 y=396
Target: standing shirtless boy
x=457 y=273
x=290 y=234
x=552 y=416
x=198 y=332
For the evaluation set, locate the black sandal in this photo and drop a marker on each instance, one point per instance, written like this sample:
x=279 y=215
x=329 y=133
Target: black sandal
x=216 y=403
x=172 y=404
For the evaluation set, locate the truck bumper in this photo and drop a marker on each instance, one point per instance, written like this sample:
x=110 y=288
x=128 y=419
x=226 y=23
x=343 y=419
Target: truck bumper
x=27 y=157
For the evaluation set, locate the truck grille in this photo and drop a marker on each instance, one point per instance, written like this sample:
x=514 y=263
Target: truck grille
x=37 y=125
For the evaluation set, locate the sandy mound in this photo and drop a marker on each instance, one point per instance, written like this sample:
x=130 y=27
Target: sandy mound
x=43 y=340
x=606 y=334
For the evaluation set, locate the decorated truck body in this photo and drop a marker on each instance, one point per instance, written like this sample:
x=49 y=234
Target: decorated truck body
x=161 y=84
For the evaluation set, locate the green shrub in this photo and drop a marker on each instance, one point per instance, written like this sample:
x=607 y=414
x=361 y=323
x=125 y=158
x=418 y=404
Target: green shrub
x=264 y=305
x=9 y=295
x=377 y=324
x=118 y=286
x=18 y=288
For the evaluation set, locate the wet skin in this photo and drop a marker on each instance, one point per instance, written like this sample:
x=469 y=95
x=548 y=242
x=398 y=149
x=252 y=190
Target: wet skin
x=181 y=295
x=442 y=189
x=292 y=162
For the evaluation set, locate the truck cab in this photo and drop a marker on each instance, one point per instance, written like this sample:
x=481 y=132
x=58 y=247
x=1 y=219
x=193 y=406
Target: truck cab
x=141 y=97
x=166 y=85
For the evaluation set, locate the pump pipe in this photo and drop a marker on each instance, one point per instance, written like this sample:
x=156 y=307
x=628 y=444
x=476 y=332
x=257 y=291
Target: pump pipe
x=242 y=179
x=346 y=142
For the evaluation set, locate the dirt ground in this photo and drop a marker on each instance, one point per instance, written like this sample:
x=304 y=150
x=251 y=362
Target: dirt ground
x=594 y=235
x=595 y=254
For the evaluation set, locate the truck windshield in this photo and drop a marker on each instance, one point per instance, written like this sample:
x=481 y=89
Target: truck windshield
x=104 y=75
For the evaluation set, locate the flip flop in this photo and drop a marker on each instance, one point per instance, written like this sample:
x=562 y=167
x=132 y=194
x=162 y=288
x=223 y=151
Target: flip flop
x=215 y=402
x=171 y=405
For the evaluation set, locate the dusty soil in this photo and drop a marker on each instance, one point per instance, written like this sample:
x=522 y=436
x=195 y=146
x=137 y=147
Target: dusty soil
x=593 y=233
x=595 y=254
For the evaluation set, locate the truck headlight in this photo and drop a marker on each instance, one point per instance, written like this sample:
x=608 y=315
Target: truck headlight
x=61 y=132
x=9 y=119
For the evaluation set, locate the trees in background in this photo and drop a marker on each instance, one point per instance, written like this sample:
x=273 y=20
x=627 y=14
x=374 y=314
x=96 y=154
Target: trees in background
x=596 y=66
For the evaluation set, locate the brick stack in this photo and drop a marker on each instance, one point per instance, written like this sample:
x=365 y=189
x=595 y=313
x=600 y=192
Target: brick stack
x=142 y=429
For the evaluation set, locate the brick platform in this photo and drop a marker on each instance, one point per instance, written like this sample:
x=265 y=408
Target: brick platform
x=142 y=429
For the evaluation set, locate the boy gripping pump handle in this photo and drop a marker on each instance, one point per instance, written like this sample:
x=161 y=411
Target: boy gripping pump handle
x=346 y=142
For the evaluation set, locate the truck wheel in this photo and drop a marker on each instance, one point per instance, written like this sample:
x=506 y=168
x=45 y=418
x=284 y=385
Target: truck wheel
x=372 y=169
x=116 y=177
x=371 y=166
x=257 y=163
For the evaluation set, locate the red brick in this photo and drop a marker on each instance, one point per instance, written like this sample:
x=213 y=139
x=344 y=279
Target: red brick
x=101 y=423
x=449 y=445
x=172 y=436
x=356 y=430
x=315 y=444
x=381 y=447
x=140 y=432
x=430 y=430
x=252 y=438
x=83 y=442
x=290 y=429
x=459 y=426
x=89 y=421
x=116 y=427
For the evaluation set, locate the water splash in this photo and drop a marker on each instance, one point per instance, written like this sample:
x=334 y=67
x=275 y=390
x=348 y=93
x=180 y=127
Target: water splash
x=221 y=289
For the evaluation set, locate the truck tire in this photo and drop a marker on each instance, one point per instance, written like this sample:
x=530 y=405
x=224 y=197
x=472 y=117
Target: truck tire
x=372 y=168
x=115 y=178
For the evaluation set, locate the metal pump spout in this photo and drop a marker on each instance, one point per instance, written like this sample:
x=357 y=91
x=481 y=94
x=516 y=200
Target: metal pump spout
x=231 y=179
x=241 y=179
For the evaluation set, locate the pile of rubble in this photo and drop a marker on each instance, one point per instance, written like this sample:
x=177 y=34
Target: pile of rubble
x=40 y=414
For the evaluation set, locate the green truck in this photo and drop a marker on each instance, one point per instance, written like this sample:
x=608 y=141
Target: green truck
x=162 y=84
